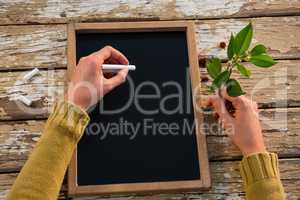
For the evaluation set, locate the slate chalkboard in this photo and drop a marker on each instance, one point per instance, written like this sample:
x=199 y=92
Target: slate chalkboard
x=128 y=146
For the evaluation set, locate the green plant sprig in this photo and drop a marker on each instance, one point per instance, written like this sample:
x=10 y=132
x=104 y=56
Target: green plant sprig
x=237 y=53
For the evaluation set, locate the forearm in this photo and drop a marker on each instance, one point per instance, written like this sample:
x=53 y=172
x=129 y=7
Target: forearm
x=261 y=177
x=43 y=173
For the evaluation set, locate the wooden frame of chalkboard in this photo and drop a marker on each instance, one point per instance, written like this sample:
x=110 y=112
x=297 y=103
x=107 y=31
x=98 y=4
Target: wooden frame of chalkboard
x=204 y=181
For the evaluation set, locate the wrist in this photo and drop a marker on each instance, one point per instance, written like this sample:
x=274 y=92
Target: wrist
x=77 y=101
x=255 y=153
x=254 y=150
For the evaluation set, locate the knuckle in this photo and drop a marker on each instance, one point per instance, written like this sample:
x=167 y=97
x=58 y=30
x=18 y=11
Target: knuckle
x=109 y=87
x=108 y=47
x=242 y=102
x=90 y=61
x=82 y=59
x=255 y=104
x=123 y=78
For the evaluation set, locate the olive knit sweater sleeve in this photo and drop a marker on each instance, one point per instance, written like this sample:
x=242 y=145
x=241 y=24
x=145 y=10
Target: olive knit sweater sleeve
x=43 y=173
x=261 y=177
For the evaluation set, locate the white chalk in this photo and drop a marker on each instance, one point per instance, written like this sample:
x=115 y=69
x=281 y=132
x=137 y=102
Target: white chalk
x=31 y=74
x=27 y=101
x=116 y=68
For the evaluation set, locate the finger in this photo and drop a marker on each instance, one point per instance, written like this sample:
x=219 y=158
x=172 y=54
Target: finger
x=254 y=104
x=236 y=101
x=210 y=99
x=112 y=61
x=108 y=75
x=218 y=104
x=91 y=62
x=225 y=95
x=216 y=116
x=204 y=101
x=117 y=80
x=224 y=124
x=255 y=108
x=109 y=52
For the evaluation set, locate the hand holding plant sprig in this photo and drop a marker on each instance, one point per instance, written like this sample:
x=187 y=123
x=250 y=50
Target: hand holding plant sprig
x=237 y=52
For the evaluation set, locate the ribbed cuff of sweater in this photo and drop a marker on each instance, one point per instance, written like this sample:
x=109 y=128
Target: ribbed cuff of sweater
x=69 y=117
x=258 y=167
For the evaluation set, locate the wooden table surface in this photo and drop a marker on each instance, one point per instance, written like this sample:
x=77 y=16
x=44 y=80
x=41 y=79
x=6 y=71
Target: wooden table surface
x=33 y=34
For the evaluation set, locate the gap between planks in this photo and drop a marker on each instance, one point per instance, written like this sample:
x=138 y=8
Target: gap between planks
x=45 y=46
x=109 y=20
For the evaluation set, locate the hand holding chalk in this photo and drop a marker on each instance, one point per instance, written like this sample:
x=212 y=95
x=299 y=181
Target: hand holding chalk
x=88 y=84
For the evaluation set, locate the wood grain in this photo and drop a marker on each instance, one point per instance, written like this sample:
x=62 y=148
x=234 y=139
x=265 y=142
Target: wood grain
x=18 y=138
x=58 y=11
x=7 y=180
x=45 y=46
x=32 y=46
x=27 y=46
x=276 y=87
x=280 y=130
x=279 y=34
x=44 y=89
x=226 y=184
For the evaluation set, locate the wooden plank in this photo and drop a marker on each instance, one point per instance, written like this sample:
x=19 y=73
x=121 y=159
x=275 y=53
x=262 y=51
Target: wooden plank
x=32 y=46
x=273 y=87
x=269 y=87
x=55 y=11
x=45 y=46
x=279 y=34
x=17 y=138
x=7 y=180
x=17 y=141
x=43 y=90
x=280 y=130
x=226 y=184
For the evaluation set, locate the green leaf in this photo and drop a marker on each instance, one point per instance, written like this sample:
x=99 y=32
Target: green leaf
x=243 y=70
x=233 y=88
x=258 y=50
x=220 y=80
x=231 y=46
x=262 y=60
x=214 y=67
x=243 y=39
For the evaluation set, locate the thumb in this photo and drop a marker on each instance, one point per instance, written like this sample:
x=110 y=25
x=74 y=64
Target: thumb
x=219 y=106
x=236 y=101
x=117 y=80
x=225 y=95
